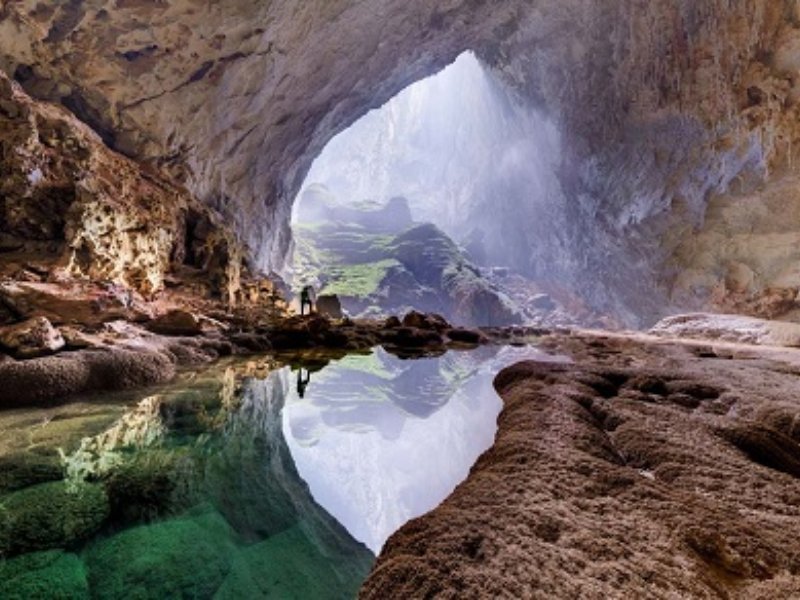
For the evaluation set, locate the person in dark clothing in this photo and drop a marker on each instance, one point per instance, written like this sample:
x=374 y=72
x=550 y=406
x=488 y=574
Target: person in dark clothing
x=302 y=382
x=306 y=299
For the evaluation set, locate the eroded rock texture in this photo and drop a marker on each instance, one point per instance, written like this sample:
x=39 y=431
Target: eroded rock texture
x=66 y=199
x=660 y=104
x=642 y=471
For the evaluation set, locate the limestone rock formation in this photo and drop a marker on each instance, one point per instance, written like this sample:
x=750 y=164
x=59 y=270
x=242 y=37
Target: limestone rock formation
x=329 y=306
x=730 y=328
x=31 y=339
x=177 y=322
x=78 y=209
x=659 y=104
x=614 y=482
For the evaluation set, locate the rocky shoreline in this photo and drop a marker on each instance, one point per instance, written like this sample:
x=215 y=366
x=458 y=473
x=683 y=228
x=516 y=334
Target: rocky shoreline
x=41 y=364
x=648 y=468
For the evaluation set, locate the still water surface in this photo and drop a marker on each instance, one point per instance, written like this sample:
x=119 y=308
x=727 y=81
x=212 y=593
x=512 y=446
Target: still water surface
x=249 y=480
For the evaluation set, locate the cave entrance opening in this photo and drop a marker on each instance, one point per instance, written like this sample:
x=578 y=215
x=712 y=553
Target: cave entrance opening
x=442 y=200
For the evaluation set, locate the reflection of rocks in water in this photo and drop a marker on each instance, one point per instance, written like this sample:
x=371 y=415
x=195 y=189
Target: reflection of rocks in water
x=365 y=392
x=381 y=440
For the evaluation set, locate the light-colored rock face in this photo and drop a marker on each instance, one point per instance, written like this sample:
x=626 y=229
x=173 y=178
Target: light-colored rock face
x=745 y=257
x=102 y=216
x=659 y=104
x=32 y=338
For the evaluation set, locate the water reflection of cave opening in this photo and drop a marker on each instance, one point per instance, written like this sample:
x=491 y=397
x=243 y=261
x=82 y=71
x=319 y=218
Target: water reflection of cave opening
x=456 y=152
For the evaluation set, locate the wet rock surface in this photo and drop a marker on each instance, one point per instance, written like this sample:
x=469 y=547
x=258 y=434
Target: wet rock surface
x=122 y=355
x=641 y=470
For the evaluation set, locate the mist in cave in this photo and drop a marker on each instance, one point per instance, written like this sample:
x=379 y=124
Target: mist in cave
x=457 y=152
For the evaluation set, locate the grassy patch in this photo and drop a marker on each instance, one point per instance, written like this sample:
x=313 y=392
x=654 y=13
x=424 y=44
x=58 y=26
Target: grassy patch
x=360 y=280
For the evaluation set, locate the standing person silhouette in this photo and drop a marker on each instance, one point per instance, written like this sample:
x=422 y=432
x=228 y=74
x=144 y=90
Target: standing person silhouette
x=302 y=382
x=306 y=299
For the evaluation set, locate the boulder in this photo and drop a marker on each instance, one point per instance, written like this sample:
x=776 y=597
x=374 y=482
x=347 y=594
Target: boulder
x=422 y=321
x=543 y=302
x=328 y=305
x=466 y=336
x=392 y=323
x=177 y=322
x=70 y=303
x=76 y=339
x=19 y=470
x=50 y=515
x=31 y=339
x=55 y=378
x=53 y=574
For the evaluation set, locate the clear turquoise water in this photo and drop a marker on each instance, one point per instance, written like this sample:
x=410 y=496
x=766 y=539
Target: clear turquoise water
x=243 y=481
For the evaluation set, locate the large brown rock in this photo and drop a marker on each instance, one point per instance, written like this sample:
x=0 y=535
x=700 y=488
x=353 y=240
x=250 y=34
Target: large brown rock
x=56 y=378
x=87 y=305
x=177 y=322
x=328 y=305
x=31 y=339
x=607 y=481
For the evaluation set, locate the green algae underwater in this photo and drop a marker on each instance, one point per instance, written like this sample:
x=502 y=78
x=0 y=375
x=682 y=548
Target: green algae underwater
x=192 y=494
x=234 y=482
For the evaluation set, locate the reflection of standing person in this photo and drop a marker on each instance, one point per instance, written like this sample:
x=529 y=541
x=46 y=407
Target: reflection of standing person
x=306 y=298
x=302 y=382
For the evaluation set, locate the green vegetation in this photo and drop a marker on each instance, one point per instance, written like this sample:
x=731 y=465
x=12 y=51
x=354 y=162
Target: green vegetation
x=50 y=515
x=359 y=280
x=187 y=557
x=54 y=575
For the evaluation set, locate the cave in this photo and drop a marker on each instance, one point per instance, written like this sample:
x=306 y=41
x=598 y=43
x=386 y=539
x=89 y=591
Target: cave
x=399 y=299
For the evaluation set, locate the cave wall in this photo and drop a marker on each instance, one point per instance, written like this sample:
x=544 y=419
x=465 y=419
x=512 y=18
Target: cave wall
x=70 y=208
x=661 y=104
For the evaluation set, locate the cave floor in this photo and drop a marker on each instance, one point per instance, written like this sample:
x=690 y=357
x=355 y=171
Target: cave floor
x=649 y=467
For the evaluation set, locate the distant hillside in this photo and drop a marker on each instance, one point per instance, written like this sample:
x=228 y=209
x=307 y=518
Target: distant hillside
x=378 y=261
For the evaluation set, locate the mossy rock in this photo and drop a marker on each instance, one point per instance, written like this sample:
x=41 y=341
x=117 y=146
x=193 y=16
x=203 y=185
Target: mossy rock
x=50 y=515
x=191 y=412
x=290 y=566
x=187 y=557
x=24 y=469
x=146 y=487
x=51 y=575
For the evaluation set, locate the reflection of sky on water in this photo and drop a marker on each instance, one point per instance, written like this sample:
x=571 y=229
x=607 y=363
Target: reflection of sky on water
x=381 y=440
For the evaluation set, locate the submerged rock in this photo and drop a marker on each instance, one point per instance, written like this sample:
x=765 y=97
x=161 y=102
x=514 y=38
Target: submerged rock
x=54 y=574
x=50 y=515
x=24 y=469
x=188 y=557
